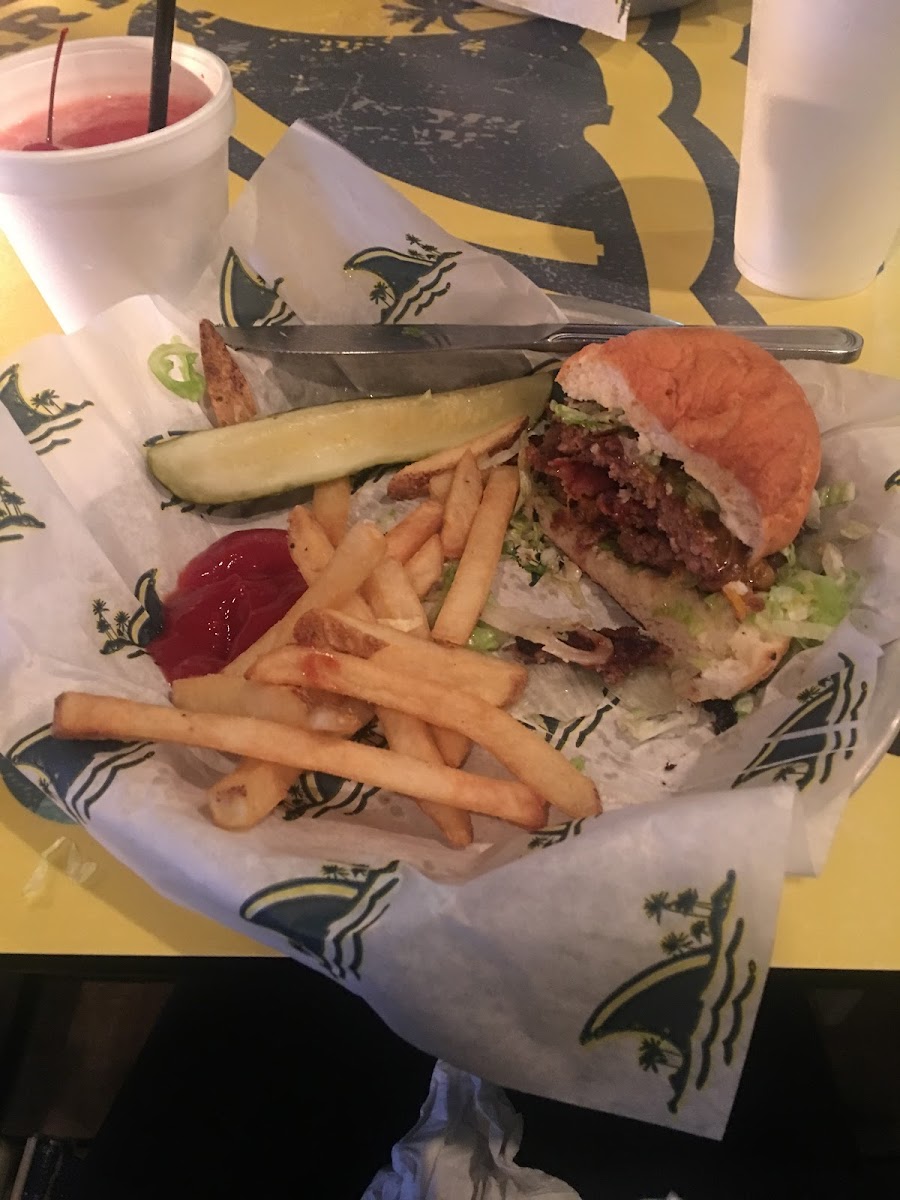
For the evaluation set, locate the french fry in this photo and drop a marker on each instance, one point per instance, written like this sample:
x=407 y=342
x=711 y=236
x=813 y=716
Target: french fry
x=407 y=735
x=246 y=795
x=229 y=392
x=426 y=566
x=312 y=551
x=391 y=596
x=258 y=783
x=413 y=480
x=245 y=698
x=351 y=564
x=472 y=583
x=453 y=746
x=394 y=597
x=331 y=507
x=328 y=713
x=494 y=681
x=522 y=751
x=461 y=506
x=411 y=534
x=81 y=715
x=309 y=544
x=439 y=486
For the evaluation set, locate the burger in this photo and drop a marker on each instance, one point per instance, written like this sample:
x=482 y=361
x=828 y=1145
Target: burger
x=676 y=468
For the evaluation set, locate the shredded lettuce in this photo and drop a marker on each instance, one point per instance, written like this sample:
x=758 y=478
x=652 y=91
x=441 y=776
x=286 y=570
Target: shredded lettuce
x=526 y=544
x=435 y=599
x=592 y=416
x=487 y=638
x=743 y=705
x=828 y=496
x=804 y=604
x=852 y=531
x=646 y=453
x=833 y=563
x=836 y=493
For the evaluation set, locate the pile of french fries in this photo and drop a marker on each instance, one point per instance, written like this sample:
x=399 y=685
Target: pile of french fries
x=357 y=645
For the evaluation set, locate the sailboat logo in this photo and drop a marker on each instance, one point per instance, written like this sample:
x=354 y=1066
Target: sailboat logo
x=132 y=631
x=44 y=772
x=408 y=281
x=41 y=418
x=324 y=917
x=13 y=516
x=246 y=299
x=675 y=1009
x=823 y=727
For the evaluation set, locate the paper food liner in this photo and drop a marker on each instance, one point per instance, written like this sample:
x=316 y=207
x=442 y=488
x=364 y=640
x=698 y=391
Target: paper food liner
x=616 y=962
x=602 y=16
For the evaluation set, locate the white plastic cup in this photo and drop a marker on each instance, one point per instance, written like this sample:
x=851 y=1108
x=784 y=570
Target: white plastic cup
x=96 y=225
x=818 y=203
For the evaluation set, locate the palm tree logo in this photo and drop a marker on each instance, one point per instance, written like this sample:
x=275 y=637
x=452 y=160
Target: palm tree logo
x=46 y=401
x=380 y=294
x=892 y=481
x=10 y=500
x=42 y=418
x=653 y=1055
x=131 y=631
x=13 y=517
x=687 y=903
x=420 y=15
x=675 y=1007
x=406 y=281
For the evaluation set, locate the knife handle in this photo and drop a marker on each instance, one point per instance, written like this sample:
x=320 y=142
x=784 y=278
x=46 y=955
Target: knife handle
x=829 y=343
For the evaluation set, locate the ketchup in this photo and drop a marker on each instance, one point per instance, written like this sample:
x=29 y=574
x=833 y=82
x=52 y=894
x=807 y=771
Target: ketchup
x=225 y=599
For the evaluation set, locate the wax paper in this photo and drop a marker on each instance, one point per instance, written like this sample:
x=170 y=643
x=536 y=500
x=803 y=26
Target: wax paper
x=615 y=962
x=603 y=16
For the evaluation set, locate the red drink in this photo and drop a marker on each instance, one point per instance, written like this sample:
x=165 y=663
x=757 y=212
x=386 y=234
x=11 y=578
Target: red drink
x=99 y=120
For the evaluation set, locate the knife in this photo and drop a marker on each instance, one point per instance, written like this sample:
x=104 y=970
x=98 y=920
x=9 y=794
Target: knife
x=825 y=342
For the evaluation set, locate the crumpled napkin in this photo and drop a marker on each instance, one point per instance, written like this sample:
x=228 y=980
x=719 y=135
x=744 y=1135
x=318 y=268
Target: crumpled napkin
x=463 y=1146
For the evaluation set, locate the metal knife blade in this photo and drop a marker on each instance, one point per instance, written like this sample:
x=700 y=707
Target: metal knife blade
x=829 y=343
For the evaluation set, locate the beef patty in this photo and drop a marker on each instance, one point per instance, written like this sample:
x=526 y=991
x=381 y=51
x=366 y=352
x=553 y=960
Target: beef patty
x=601 y=478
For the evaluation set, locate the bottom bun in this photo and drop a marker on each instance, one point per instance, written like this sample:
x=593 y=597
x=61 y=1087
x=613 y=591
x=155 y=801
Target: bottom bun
x=714 y=656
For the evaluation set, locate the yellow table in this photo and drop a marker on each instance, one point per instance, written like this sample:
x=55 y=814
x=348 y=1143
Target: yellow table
x=661 y=129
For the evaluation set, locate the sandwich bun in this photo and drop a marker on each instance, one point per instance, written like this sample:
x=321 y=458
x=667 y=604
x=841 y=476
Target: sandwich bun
x=726 y=409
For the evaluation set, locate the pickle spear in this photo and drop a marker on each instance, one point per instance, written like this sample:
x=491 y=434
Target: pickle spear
x=271 y=455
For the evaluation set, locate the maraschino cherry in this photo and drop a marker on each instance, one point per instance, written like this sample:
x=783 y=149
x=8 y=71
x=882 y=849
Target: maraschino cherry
x=48 y=143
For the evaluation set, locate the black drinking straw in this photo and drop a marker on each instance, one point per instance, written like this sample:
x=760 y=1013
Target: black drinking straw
x=161 y=69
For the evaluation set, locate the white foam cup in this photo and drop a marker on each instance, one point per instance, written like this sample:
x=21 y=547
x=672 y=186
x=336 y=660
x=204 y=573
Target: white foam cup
x=93 y=226
x=818 y=203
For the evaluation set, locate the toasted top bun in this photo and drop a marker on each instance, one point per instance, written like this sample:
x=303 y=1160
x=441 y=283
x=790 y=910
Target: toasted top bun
x=726 y=409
